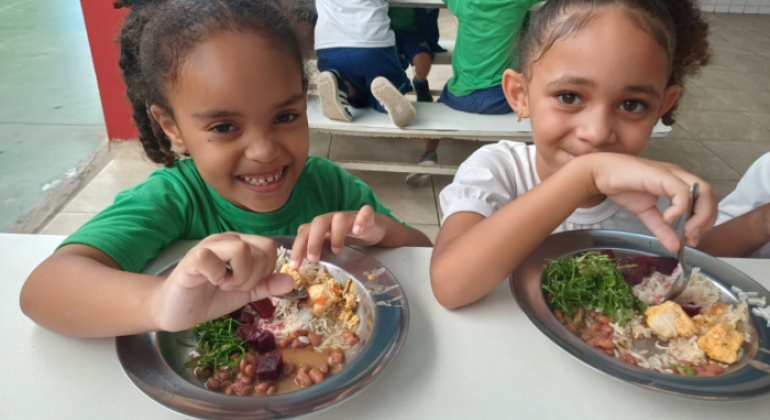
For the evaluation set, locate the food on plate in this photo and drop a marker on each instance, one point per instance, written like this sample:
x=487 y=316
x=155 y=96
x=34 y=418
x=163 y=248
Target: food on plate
x=278 y=345
x=616 y=306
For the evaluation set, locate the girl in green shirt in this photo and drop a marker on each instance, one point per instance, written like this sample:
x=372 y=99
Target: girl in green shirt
x=221 y=83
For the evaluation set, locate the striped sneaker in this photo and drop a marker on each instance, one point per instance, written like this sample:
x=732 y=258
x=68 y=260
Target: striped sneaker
x=334 y=101
x=399 y=108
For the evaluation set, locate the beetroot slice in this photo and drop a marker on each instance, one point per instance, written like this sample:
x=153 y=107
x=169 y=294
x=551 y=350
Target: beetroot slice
x=269 y=368
x=265 y=342
x=691 y=308
x=264 y=308
x=664 y=265
x=638 y=270
x=247 y=332
x=246 y=318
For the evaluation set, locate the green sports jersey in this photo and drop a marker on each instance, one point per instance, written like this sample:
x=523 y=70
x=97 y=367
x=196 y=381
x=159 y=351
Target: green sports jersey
x=176 y=203
x=403 y=19
x=486 y=42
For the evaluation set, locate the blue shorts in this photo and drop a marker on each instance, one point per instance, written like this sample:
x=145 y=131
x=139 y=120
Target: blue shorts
x=411 y=43
x=485 y=101
x=360 y=66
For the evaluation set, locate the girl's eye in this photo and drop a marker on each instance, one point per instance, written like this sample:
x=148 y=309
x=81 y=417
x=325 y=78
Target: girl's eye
x=223 y=128
x=569 y=99
x=286 y=118
x=632 y=106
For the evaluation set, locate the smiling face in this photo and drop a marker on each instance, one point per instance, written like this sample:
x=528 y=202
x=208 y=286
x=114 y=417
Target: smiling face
x=240 y=112
x=600 y=89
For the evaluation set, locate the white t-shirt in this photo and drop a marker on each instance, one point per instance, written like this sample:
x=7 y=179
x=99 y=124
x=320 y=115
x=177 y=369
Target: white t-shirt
x=353 y=24
x=497 y=174
x=752 y=191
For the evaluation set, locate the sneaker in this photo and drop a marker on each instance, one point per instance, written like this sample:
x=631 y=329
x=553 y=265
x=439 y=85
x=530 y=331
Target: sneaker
x=420 y=180
x=334 y=101
x=422 y=89
x=399 y=108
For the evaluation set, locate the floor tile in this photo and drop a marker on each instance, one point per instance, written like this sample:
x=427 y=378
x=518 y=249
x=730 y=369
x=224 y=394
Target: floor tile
x=744 y=62
x=692 y=156
x=762 y=119
x=381 y=149
x=130 y=150
x=117 y=176
x=678 y=133
x=412 y=205
x=741 y=36
x=320 y=144
x=739 y=155
x=439 y=183
x=716 y=125
x=723 y=188
x=34 y=158
x=66 y=223
x=697 y=99
x=431 y=231
x=726 y=80
x=760 y=78
x=743 y=100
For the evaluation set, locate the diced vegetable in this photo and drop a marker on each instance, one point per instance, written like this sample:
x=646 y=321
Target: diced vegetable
x=264 y=308
x=265 y=342
x=269 y=368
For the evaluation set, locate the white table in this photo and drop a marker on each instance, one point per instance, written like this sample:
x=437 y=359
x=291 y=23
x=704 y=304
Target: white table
x=482 y=362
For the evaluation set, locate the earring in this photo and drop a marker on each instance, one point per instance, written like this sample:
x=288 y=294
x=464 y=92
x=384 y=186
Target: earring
x=518 y=115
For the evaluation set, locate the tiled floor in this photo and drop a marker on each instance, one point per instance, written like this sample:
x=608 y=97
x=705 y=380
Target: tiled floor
x=722 y=127
x=50 y=114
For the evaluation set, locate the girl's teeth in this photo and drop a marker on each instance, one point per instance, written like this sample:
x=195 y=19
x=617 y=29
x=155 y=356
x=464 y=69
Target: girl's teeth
x=263 y=181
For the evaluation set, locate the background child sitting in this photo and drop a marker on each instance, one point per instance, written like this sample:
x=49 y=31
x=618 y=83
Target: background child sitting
x=358 y=61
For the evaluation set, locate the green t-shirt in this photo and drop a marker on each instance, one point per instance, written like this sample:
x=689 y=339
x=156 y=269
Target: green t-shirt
x=403 y=19
x=486 y=41
x=175 y=203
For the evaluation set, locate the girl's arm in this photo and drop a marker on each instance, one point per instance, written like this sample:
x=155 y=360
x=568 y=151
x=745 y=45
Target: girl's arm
x=81 y=291
x=473 y=254
x=739 y=237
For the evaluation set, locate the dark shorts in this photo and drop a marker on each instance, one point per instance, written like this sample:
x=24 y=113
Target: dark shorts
x=411 y=43
x=486 y=101
x=360 y=66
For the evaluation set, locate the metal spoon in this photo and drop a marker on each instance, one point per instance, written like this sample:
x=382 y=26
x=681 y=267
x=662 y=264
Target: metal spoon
x=678 y=286
x=293 y=295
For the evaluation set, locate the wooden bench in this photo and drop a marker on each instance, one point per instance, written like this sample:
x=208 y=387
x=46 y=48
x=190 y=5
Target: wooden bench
x=434 y=121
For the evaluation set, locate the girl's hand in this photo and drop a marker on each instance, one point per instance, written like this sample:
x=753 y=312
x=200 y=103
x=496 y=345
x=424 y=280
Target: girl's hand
x=636 y=184
x=202 y=287
x=362 y=225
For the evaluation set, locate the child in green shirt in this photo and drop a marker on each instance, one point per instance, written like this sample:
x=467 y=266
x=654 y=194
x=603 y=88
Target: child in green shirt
x=226 y=88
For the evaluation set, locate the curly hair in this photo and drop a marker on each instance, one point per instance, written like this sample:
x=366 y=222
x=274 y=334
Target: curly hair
x=158 y=34
x=676 y=25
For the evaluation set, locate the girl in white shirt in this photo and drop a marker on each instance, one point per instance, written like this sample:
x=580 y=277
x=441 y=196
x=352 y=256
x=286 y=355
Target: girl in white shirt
x=596 y=77
x=743 y=224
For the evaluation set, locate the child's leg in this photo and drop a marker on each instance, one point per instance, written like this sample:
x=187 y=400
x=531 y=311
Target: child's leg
x=486 y=101
x=417 y=51
x=336 y=83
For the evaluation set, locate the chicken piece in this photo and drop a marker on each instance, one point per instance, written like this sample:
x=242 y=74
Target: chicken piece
x=721 y=343
x=669 y=320
x=321 y=297
x=299 y=280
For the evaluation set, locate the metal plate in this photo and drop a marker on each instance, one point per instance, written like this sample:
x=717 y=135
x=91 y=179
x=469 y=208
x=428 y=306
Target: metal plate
x=740 y=382
x=154 y=362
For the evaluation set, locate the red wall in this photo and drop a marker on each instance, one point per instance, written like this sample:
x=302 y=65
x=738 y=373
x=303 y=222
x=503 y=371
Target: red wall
x=103 y=24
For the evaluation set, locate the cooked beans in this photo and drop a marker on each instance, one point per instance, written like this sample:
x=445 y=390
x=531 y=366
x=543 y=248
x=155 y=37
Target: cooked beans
x=250 y=371
x=262 y=387
x=271 y=390
x=607 y=344
x=251 y=359
x=337 y=356
x=247 y=390
x=224 y=374
x=243 y=364
x=286 y=341
x=593 y=342
x=604 y=319
x=607 y=329
x=304 y=369
x=248 y=380
x=316 y=375
x=289 y=368
x=213 y=384
x=235 y=356
x=300 y=333
x=351 y=341
x=596 y=326
x=347 y=334
x=315 y=339
x=593 y=315
x=299 y=344
x=303 y=380
x=324 y=368
x=557 y=313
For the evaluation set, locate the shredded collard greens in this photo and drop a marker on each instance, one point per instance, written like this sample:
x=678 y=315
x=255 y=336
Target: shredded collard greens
x=216 y=342
x=591 y=280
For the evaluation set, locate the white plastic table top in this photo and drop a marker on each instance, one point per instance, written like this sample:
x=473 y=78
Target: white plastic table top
x=485 y=361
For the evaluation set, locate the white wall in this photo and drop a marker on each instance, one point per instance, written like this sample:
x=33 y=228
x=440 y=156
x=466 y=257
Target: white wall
x=736 y=6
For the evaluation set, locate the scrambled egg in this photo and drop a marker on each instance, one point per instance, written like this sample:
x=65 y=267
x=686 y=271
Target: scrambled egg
x=321 y=297
x=721 y=343
x=299 y=280
x=669 y=320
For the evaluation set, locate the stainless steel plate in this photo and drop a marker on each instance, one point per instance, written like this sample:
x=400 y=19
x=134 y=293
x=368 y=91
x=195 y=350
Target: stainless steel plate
x=743 y=381
x=154 y=362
